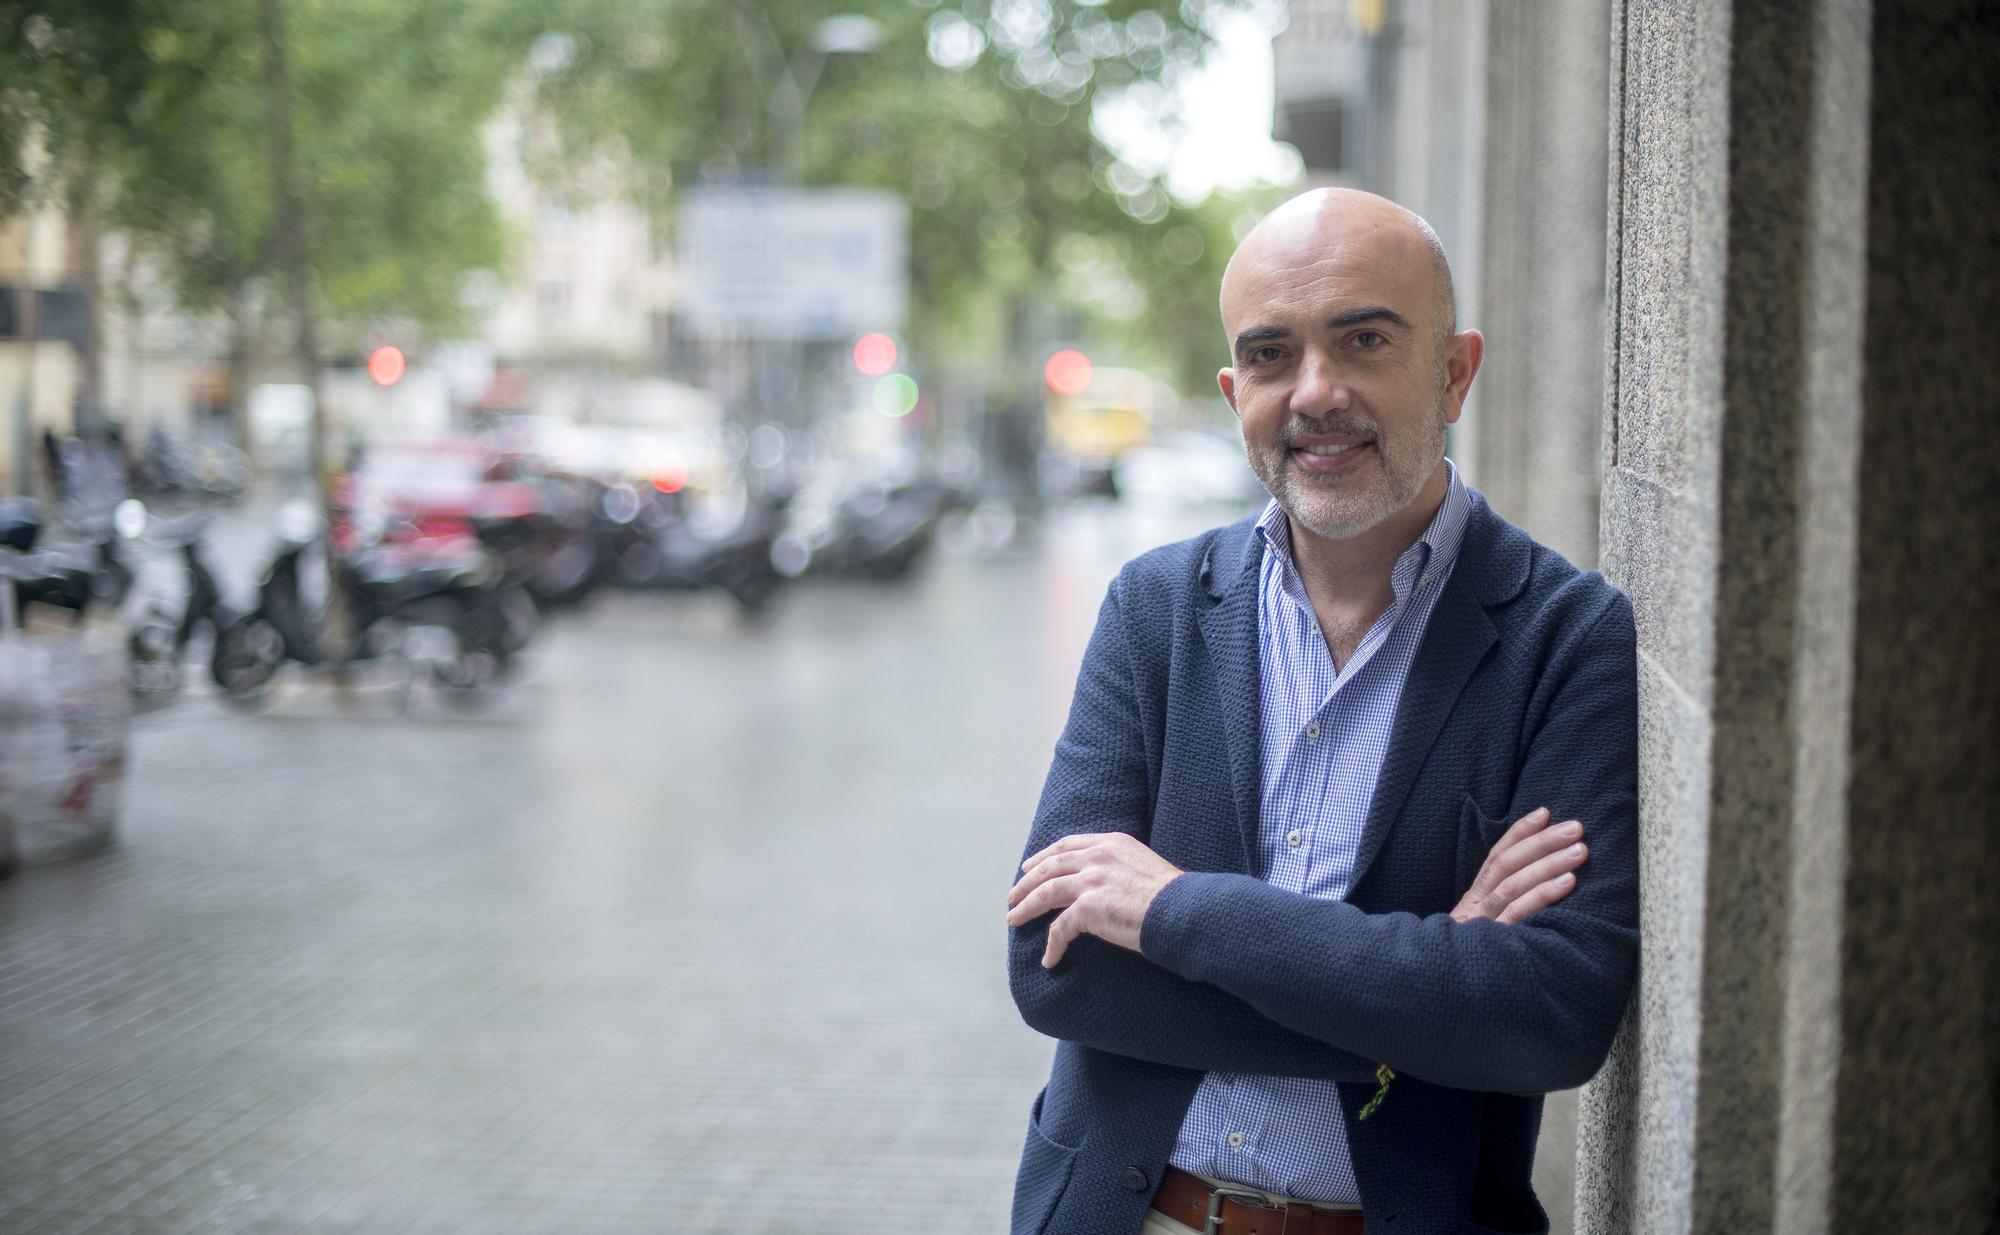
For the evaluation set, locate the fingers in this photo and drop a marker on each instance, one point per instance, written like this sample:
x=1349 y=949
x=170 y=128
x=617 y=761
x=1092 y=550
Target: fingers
x=1524 y=827
x=1538 y=898
x=1504 y=863
x=1067 y=926
x=1495 y=868
x=1080 y=840
x=1054 y=894
x=1041 y=872
x=1553 y=870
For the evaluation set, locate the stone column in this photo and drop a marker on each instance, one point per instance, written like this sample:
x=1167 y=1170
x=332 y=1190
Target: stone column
x=1801 y=460
x=1530 y=436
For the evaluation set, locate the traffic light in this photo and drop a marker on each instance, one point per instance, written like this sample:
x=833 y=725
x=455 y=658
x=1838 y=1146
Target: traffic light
x=386 y=365
x=875 y=354
x=1068 y=372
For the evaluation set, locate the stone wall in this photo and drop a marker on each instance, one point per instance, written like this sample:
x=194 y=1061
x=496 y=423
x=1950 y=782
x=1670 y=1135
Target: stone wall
x=1531 y=439
x=1800 y=469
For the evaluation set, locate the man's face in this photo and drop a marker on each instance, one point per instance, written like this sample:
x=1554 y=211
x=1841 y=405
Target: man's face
x=1341 y=375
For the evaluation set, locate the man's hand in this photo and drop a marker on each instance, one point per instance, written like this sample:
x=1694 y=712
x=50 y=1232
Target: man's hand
x=1529 y=869
x=1103 y=883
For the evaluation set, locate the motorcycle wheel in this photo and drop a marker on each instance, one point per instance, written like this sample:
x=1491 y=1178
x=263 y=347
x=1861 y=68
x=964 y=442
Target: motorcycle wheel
x=520 y=617
x=471 y=675
x=752 y=592
x=153 y=670
x=248 y=652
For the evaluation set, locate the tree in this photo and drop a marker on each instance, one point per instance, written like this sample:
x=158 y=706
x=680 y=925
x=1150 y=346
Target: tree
x=980 y=115
x=164 y=109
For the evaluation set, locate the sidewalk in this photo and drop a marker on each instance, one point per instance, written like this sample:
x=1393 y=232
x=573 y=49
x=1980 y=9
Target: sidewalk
x=698 y=931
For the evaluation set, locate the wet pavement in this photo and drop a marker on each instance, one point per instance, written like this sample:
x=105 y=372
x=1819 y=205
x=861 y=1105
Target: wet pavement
x=698 y=929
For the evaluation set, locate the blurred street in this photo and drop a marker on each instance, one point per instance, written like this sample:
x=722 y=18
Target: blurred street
x=697 y=928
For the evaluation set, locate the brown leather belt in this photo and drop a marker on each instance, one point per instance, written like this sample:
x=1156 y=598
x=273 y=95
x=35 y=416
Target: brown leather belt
x=1236 y=1211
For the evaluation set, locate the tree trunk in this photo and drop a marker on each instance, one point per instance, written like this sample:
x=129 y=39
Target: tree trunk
x=288 y=234
x=242 y=349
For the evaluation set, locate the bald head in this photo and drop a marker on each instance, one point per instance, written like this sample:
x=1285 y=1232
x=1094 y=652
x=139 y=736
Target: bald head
x=1368 y=231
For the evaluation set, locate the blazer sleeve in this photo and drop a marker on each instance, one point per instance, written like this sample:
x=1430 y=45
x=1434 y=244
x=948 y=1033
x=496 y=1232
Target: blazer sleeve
x=1107 y=997
x=1526 y=1008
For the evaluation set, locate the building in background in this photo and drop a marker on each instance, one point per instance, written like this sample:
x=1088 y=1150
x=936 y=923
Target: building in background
x=44 y=330
x=580 y=327
x=1488 y=120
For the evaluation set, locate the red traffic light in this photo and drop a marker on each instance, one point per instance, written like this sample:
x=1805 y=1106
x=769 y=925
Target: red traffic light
x=386 y=365
x=1067 y=372
x=875 y=354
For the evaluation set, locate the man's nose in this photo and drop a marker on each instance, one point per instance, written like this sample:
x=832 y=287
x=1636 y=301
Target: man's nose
x=1322 y=388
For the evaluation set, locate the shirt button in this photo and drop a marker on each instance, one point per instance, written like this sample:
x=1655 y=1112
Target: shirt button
x=1236 y=1140
x=1293 y=838
x=1312 y=731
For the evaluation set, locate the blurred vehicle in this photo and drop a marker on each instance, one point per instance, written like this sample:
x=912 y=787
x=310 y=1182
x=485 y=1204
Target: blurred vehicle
x=69 y=577
x=1192 y=469
x=540 y=527
x=430 y=608
x=646 y=538
x=413 y=491
x=880 y=527
x=453 y=495
x=169 y=468
x=159 y=634
x=1085 y=434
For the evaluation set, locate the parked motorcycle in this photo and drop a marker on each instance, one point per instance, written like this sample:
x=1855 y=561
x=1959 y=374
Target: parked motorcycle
x=645 y=539
x=68 y=577
x=878 y=530
x=441 y=613
x=159 y=635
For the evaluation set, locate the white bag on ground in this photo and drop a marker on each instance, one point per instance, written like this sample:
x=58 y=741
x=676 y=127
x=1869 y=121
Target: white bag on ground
x=65 y=715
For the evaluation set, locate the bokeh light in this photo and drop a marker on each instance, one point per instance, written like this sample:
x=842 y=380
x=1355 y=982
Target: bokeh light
x=875 y=354
x=1068 y=372
x=896 y=394
x=386 y=365
x=670 y=473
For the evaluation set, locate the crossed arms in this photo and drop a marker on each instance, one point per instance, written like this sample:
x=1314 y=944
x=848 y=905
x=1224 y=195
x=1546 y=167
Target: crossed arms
x=1221 y=971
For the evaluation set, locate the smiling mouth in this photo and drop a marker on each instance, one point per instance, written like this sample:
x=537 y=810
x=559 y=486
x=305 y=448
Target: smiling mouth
x=1328 y=457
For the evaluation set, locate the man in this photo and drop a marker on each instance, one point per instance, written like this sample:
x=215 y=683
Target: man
x=1305 y=976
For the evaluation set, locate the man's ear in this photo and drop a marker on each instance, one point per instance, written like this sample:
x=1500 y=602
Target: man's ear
x=1226 y=379
x=1463 y=352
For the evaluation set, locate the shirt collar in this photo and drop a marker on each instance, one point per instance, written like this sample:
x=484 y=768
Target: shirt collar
x=1435 y=551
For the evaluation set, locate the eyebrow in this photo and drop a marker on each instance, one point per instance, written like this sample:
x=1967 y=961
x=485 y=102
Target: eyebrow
x=1341 y=321
x=1260 y=334
x=1373 y=313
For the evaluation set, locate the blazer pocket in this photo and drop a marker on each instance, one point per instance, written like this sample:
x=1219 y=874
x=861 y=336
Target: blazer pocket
x=1045 y=1172
x=1477 y=834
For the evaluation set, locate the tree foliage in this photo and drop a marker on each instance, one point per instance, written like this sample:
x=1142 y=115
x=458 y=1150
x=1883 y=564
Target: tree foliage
x=163 y=107
x=1026 y=226
x=980 y=115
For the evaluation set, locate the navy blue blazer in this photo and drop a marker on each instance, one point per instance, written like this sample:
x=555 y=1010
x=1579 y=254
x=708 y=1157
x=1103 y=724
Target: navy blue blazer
x=1522 y=694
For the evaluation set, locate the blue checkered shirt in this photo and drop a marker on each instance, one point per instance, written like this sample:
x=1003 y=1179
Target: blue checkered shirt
x=1323 y=735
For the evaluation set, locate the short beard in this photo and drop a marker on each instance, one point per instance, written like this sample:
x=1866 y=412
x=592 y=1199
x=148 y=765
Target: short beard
x=1343 y=507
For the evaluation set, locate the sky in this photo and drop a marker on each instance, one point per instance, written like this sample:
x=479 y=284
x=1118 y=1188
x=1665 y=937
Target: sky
x=1224 y=140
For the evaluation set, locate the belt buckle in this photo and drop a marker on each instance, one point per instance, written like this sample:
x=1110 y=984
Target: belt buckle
x=1213 y=1225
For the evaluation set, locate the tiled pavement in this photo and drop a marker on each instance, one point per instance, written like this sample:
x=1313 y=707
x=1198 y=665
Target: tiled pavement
x=698 y=931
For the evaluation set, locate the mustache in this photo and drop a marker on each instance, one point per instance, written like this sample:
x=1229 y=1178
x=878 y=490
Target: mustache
x=1346 y=426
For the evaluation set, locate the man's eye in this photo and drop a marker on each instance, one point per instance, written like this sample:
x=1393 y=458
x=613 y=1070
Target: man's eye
x=1370 y=339
x=1262 y=355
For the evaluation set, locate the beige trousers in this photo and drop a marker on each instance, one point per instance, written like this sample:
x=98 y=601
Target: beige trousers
x=1158 y=1223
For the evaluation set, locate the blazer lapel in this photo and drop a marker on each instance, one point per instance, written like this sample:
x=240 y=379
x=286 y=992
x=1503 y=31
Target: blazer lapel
x=1492 y=567
x=1229 y=630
